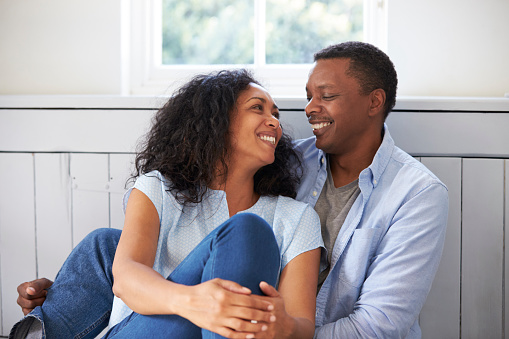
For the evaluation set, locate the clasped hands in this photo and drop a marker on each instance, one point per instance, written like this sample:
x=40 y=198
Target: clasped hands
x=227 y=308
x=221 y=306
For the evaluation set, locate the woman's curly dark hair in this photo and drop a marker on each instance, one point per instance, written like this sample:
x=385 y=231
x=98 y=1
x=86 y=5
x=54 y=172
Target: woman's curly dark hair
x=189 y=138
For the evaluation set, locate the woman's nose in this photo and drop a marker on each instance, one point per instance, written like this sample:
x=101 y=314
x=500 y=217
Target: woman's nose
x=273 y=122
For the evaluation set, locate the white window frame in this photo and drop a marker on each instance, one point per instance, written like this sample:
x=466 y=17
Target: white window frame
x=148 y=77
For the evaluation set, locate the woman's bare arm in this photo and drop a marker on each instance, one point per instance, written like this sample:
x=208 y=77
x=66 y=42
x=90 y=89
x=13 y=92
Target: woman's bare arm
x=295 y=302
x=217 y=305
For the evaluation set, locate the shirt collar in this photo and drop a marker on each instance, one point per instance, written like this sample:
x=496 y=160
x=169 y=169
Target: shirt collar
x=381 y=158
x=379 y=163
x=322 y=159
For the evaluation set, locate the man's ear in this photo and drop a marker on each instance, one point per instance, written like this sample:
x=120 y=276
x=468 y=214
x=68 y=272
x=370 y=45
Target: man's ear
x=377 y=102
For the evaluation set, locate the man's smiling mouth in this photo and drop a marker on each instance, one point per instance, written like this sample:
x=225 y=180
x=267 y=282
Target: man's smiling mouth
x=320 y=125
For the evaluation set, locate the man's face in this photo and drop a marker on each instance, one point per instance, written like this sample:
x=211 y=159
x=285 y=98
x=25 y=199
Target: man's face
x=336 y=110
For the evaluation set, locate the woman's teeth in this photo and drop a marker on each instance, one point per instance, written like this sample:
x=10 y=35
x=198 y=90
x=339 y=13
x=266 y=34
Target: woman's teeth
x=272 y=140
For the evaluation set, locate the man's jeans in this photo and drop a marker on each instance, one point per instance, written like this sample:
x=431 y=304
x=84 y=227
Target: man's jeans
x=78 y=305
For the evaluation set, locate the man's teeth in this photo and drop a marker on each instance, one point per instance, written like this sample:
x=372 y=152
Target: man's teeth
x=320 y=125
x=272 y=140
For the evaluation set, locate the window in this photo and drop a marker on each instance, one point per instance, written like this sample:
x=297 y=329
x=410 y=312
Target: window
x=174 y=39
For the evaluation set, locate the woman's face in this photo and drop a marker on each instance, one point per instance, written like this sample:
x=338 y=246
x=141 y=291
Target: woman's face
x=254 y=129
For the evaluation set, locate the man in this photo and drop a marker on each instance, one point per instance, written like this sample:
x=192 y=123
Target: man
x=383 y=214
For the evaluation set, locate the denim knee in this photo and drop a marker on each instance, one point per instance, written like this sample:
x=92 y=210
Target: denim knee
x=252 y=226
x=102 y=238
x=252 y=234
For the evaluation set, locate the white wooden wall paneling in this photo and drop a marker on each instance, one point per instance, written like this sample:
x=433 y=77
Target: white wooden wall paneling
x=17 y=231
x=474 y=133
x=482 y=248
x=53 y=212
x=100 y=131
x=121 y=167
x=90 y=198
x=440 y=315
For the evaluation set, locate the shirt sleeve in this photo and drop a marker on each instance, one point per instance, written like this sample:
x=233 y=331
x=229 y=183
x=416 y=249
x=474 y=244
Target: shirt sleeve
x=153 y=186
x=401 y=273
x=302 y=231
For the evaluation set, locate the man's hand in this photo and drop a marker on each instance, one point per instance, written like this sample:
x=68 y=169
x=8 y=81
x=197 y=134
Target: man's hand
x=32 y=294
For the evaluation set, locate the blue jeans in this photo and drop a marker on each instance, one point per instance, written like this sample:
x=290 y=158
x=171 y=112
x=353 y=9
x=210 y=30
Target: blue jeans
x=243 y=249
x=78 y=304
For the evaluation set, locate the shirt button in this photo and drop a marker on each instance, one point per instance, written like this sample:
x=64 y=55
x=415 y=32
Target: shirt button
x=323 y=160
x=315 y=193
x=374 y=182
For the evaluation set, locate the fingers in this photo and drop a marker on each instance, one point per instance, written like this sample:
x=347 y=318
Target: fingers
x=239 y=299
x=268 y=290
x=251 y=307
x=239 y=328
x=252 y=315
x=34 y=289
x=28 y=305
x=39 y=285
x=32 y=294
x=233 y=286
x=229 y=309
x=234 y=326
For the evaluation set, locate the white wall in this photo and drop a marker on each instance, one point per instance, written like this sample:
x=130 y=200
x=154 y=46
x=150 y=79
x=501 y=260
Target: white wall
x=60 y=47
x=440 y=48
x=450 y=47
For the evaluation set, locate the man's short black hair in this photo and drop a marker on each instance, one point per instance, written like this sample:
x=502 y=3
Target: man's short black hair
x=369 y=65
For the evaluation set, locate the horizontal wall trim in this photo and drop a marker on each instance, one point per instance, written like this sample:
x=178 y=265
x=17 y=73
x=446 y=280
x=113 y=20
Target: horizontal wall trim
x=403 y=103
x=485 y=156
x=79 y=108
x=280 y=109
x=110 y=125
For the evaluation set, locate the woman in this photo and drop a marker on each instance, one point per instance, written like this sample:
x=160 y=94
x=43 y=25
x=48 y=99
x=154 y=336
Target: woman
x=210 y=231
x=188 y=250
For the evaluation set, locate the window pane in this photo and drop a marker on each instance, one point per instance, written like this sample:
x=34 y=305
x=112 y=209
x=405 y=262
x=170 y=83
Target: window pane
x=295 y=29
x=206 y=32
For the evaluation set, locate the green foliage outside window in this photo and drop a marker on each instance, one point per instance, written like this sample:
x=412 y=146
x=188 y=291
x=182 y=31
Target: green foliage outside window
x=202 y=32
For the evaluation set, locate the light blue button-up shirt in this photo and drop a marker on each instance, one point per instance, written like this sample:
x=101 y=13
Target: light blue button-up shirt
x=388 y=249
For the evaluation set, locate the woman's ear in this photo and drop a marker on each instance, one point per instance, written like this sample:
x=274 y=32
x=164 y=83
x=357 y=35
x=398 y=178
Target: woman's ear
x=377 y=102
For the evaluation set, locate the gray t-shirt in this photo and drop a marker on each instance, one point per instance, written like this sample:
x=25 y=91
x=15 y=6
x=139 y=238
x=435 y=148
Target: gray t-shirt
x=332 y=207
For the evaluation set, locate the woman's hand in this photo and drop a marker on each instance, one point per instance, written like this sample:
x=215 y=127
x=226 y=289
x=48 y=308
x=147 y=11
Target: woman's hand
x=284 y=324
x=226 y=308
x=295 y=301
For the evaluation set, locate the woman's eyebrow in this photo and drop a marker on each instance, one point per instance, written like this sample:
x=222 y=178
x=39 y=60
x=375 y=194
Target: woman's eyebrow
x=257 y=98
x=262 y=100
